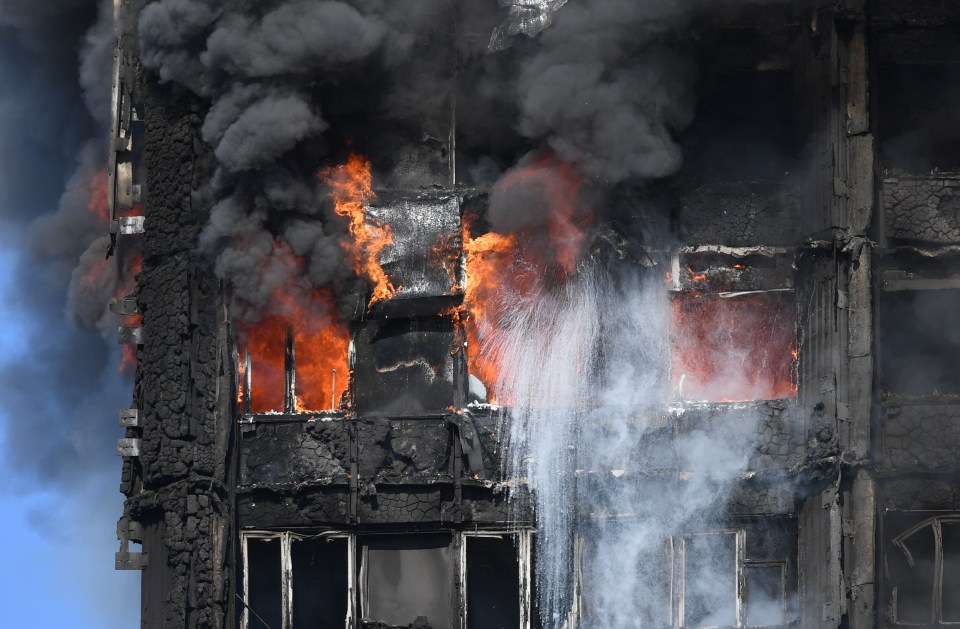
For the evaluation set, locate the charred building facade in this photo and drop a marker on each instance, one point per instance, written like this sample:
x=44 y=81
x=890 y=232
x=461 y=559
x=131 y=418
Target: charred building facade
x=405 y=365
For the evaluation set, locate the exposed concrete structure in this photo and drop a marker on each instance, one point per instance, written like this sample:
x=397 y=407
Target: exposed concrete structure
x=848 y=514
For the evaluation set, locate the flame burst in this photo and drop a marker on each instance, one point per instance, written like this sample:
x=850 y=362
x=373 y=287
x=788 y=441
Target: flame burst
x=321 y=344
x=504 y=270
x=352 y=188
x=487 y=256
x=97 y=204
x=321 y=347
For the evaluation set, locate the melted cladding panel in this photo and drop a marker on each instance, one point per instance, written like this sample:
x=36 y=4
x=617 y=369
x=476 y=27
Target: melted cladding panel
x=423 y=260
x=921 y=436
x=283 y=453
x=525 y=17
x=407 y=367
x=749 y=213
x=922 y=209
x=395 y=450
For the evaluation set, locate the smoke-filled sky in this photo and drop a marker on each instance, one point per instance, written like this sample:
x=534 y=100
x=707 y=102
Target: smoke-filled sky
x=59 y=385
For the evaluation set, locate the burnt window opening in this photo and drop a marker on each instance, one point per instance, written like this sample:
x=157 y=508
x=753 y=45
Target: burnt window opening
x=263 y=604
x=344 y=580
x=708 y=585
x=321 y=578
x=291 y=581
x=923 y=566
x=745 y=128
x=737 y=578
x=765 y=594
x=918 y=86
x=919 y=346
x=493 y=583
x=406 y=579
x=286 y=371
x=734 y=346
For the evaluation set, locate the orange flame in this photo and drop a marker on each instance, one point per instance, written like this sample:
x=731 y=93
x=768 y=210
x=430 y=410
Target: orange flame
x=352 y=188
x=487 y=258
x=97 y=202
x=321 y=347
x=500 y=269
x=697 y=277
x=321 y=344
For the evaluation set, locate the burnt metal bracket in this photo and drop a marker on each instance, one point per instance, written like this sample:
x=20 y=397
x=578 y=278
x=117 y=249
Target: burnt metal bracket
x=129 y=531
x=128 y=447
x=129 y=225
x=125 y=306
x=354 y=472
x=469 y=442
x=130 y=335
x=130 y=417
x=290 y=375
x=246 y=407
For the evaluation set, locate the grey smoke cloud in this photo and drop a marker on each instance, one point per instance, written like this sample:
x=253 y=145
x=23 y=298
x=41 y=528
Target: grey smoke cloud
x=250 y=129
x=605 y=91
x=296 y=38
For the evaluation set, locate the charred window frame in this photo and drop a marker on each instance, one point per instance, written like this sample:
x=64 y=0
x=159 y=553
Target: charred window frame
x=918 y=79
x=269 y=578
x=924 y=569
x=273 y=577
x=474 y=592
x=736 y=324
x=917 y=351
x=724 y=579
x=756 y=590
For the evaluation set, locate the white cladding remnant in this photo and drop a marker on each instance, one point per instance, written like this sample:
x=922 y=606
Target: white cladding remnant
x=526 y=17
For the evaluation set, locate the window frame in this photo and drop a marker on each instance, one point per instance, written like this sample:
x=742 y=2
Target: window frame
x=286 y=573
x=355 y=547
x=936 y=615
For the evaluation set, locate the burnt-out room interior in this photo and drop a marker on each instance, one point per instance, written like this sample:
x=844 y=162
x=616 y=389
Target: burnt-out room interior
x=539 y=314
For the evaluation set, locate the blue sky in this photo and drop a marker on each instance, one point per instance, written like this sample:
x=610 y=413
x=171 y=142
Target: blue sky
x=58 y=542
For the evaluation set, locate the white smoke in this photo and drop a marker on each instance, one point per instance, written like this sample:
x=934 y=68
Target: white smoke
x=584 y=367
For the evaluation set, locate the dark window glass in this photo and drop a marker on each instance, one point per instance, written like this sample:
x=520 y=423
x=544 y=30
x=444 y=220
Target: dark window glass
x=919 y=129
x=320 y=583
x=920 y=352
x=764 y=594
x=493 y=583
x=747 y=114
x=951 y=571
x=265 y=582
x=409 y=577
x=710 y=580
x=915 y=583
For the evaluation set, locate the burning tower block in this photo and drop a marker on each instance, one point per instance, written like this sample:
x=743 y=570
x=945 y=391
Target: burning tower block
x=382 y=499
